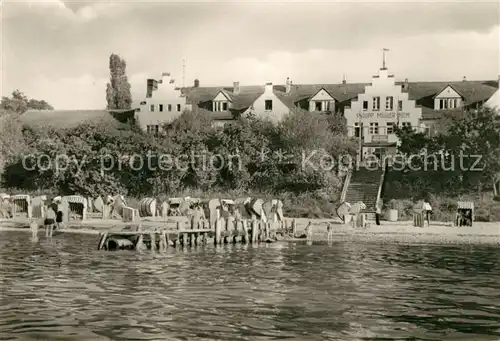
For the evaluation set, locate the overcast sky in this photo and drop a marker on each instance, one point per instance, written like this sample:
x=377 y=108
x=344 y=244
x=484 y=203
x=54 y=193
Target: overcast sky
x=59 y=50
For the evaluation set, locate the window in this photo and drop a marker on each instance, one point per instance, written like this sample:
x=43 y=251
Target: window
x=224 y=106
x=169 y=107
x=390 y=127
x=448 y=103
x=319 y=105
x=374 y=128
x=406 y=124
x=160 y=107
x=153 y=129
x=143 y=103
x=400 y=105
x=357 y=130
x=365 y=105
x=389 y=103
x=376 y=103
x=269 y=104
x=178 y=107
x=152 y=107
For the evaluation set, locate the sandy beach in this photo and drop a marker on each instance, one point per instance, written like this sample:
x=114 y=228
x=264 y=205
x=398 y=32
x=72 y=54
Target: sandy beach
x=387 y=232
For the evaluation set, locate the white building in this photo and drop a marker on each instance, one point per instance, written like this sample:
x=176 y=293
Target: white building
x=377 y=111
x=163 y=103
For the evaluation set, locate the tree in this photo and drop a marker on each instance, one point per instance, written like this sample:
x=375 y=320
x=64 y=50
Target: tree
x=118 y=89
x=19 y=103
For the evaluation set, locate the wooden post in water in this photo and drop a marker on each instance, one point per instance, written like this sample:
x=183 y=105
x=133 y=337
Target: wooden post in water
x=163 y=241
x=204 y=235
x=152 y=236
x=225 y=230
x=102 y=240
x=139 y=244
x=244 y=238
x=262 y=228
x=177 y=240
x=231 y=229
x=254 y=231
x=217 y=238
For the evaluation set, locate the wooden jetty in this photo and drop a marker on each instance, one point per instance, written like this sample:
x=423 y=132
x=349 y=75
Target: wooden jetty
x=225 y=231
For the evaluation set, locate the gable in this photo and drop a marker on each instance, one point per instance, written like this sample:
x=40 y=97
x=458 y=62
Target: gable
x=278 y=103
x=322 y=95
x=448 y=92
x=494 y=101
x=221 y=96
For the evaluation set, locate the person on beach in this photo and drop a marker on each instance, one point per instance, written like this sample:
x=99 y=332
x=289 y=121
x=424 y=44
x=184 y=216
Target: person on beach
x=329 y=231
x=308 y=231
x=34 y=230
x=427 y=209
x=50 y=221
x=58 y=208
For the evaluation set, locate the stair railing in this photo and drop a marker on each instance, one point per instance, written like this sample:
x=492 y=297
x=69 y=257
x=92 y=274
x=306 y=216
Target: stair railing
x=347 y=181
x=381 y=184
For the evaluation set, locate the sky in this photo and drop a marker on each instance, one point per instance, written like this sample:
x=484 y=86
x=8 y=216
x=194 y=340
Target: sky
x=59 y=51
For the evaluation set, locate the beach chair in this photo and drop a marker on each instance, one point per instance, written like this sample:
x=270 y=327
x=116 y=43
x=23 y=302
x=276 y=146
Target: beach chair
x=465 y=213
x=419 y=214
x=21 y=204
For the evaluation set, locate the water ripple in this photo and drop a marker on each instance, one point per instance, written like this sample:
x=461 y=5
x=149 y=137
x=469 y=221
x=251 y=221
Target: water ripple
x=63 y=289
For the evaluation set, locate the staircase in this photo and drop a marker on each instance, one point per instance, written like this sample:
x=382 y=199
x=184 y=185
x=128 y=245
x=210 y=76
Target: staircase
x=364 y=185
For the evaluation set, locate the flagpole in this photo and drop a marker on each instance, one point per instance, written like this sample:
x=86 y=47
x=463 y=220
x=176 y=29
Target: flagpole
x=360 y=137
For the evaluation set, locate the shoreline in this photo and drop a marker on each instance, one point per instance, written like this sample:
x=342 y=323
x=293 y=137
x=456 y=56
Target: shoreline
x=388 y=232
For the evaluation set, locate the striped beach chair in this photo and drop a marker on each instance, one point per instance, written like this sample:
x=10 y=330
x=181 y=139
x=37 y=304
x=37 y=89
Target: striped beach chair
x=77 y=205
x=465 y=213
x=21 y=205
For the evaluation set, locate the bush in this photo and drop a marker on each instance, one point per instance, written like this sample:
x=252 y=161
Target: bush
x=258 y=157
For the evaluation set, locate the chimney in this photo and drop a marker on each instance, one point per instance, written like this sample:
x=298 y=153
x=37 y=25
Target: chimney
x=288 y=85
x=344 y=81
x=151 y=85
x=405 y=84
x=464 y=79
x=165 y=77
x=269 y=87
x=236 y=88
x=197 y=83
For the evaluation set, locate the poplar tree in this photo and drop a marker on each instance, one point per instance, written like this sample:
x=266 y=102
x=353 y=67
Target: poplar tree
x=118 y=89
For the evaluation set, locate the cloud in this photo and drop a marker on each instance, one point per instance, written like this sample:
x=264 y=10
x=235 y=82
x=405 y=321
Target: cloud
x=444 y=56
x=50 y=45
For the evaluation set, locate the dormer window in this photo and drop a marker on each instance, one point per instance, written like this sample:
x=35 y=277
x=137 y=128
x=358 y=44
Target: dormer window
x=220 y=105
x=448 y=103
x=448 y=98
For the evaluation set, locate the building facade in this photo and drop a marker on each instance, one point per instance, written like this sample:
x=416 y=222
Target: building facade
x=374 y=114
x=372 y=110
x=268 y=105
x=163 y=103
